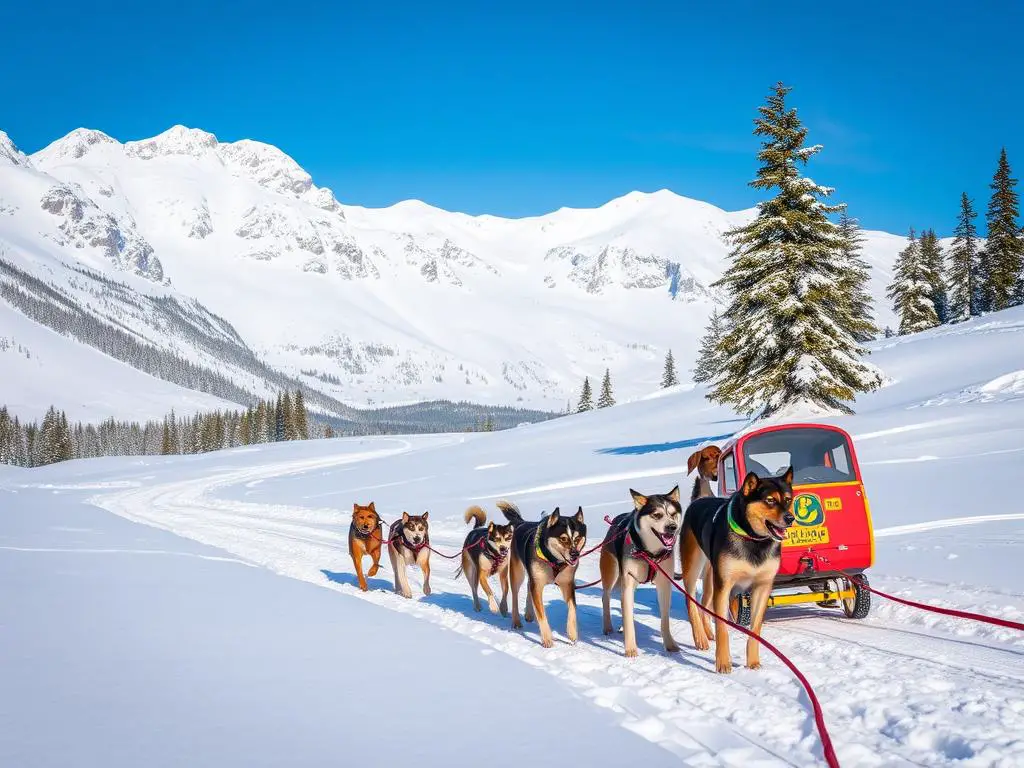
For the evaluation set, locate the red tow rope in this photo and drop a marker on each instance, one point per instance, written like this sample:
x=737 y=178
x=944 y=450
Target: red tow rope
x=924 y=607
x=819 y=717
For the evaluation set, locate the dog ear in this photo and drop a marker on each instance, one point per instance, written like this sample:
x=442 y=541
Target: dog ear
x=553 y=517
x=371 y=507
x=691 y=463
x=355 y=507
x=490 y=528
x=638 y=499
x=787 y=476
x=425 y=515
x=405 y=517
x=749 y=483
x=579 y=515
x=674 y=494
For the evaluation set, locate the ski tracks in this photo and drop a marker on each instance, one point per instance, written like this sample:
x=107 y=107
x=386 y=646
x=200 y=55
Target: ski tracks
x=892 y=694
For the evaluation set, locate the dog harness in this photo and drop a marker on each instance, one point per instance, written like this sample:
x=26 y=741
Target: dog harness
x=636 y=546
x=497 y=559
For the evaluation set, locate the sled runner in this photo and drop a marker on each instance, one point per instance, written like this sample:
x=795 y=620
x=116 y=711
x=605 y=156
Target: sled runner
x=833 y=529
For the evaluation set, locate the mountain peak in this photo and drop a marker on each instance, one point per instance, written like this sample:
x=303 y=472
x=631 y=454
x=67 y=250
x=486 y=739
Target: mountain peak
x=176 y=140
x=74 y=145
x=10 y=153
x=267 y=165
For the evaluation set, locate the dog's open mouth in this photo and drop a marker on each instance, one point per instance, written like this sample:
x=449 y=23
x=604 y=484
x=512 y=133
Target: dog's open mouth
x=667 y=539
x=777 y=532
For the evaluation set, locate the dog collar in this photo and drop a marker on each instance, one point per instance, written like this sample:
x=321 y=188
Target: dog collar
x=736 y=527
x=556 y=567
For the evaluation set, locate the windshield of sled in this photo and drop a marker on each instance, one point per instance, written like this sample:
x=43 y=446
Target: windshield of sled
x=816 y=455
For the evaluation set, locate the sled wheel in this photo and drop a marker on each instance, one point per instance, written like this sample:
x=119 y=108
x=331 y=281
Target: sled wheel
x=858 y=606
x=739 y=609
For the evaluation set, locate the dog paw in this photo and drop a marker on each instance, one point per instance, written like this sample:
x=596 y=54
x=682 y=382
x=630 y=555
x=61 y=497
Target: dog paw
x=723 y=667
x=701 y=643
x=548 y=642
x=426 y=589
x=517 y=624
x=753 y=665
x=608 y=630
x=632 y=653
x=503 y=609
x=407 y=595
x=493 y=606
x=373 y=571
x=671 y=648
x=677 y=575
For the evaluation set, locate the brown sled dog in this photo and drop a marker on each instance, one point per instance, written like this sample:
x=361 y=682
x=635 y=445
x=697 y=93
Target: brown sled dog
x=409 y=544
x=485 y=553
x=364 y=539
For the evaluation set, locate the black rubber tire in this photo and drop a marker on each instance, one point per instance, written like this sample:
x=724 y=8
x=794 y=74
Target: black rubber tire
x=742 y=616
x=860 y=605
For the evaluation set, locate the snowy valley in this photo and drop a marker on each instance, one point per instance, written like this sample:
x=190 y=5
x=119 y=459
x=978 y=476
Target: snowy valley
x=221 y=268
x=149 y=647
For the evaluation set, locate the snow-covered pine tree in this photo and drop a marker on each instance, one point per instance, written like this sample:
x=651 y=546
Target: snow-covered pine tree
x=1004 y=246
x=788 y=340
x=911 y=290
x=166 y=448
x=963 y=265
x=301 y=416
x=668 y=376
x=289 y=416
x=328 y=432
x=280 y=424
x=709 y=359
x=853 y=284
x=932 y=257
x=586 y=397
x=606 y=398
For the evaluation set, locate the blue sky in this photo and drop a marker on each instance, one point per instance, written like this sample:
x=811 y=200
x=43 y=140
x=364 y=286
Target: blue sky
x=518 y=109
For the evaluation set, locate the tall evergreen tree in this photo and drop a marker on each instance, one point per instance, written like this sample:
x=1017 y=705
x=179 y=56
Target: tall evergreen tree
x=788 y=340
x=854 y=280
x=911 y=290
x=289 y=416
x=709 y=356
x=963 y=265
x=280 y=423
x=932 y=258
x=606 y=398
x=1004 y=247
x=586 y=397
x=301 y=417
x=669 y=377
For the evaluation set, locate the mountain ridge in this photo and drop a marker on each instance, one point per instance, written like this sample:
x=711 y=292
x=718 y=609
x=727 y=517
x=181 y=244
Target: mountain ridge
x=374 y=306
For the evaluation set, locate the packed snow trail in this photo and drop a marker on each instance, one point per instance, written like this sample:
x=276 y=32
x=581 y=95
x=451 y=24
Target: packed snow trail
x=897 y=689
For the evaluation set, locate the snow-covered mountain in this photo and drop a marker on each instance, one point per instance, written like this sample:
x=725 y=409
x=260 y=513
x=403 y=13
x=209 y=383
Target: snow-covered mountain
x=227 y=257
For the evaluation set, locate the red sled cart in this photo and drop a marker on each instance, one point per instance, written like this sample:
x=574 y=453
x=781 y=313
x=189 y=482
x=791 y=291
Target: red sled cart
x=832 y=532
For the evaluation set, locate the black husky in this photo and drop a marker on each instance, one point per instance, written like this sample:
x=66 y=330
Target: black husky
x=545 y=552
x=737 y=544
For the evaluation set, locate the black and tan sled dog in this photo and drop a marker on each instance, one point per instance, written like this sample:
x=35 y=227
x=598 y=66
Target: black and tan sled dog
x=546 y=552
x=736 y=543
x=484 y=554
x=651 y=529
x=409 y=544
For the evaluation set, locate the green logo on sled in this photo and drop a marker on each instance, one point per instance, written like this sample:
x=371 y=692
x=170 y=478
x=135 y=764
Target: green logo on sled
x=807 y=509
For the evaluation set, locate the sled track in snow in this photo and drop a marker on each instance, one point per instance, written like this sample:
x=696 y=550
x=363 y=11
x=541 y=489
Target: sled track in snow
x=895 y=691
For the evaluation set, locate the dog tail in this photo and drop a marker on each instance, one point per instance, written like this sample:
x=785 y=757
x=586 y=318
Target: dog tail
x=458 y=571
x=477 y=515
x=511 y=512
